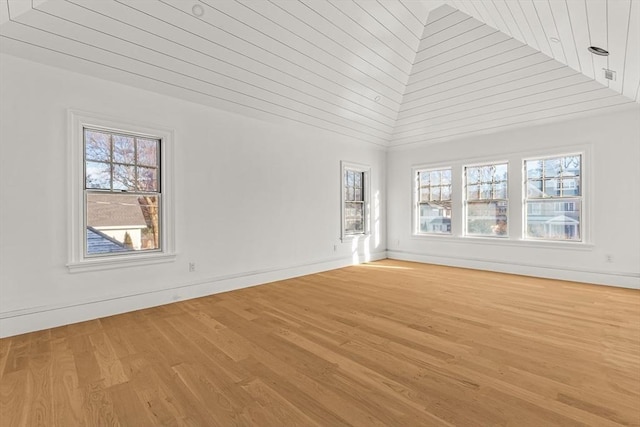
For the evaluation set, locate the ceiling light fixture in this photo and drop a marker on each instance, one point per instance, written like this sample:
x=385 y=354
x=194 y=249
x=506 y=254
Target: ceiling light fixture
x=554 y=39
x=598 y=51
x=197 y=10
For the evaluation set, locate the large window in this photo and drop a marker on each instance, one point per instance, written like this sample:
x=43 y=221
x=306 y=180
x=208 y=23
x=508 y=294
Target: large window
x=122 y=192
x=354 y=199
x=120 y=183
x=486 y=201
x=433 y=205
x=553 y=198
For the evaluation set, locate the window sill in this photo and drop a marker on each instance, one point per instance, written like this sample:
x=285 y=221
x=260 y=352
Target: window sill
x=505 y=241
x=352 y=237
x=114 y=262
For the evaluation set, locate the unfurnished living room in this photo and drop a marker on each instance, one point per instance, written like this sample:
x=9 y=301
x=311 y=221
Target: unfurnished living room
x=319 y=213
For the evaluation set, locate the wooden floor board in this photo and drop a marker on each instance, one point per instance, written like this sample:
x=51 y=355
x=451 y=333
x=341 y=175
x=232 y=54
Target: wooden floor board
x=389 y=343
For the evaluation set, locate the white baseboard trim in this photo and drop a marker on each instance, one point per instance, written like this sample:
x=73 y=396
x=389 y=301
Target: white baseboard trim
x=44 y=317
x=617 y=279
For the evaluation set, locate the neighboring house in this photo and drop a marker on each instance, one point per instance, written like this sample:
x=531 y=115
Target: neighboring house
x=556 y=218
x=439 y=225
x=117 y=218
x=434 y=218
x=100 y=243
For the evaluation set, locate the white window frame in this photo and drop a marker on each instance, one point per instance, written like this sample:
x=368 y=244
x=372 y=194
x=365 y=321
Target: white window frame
x=584 y=206
x=366 y=170
x=78 y=260
x=465 y=200
x=416 y=200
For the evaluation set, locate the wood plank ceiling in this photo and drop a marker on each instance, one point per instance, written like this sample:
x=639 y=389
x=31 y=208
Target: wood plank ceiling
x=388 y=72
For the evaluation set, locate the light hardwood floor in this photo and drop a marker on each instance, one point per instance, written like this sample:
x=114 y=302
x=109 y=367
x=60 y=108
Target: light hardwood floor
x=384 y=344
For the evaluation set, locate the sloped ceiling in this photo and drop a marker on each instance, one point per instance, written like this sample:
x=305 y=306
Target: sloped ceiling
x=388 y=72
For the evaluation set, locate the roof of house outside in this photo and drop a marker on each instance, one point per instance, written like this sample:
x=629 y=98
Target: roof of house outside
x=100 y=243
x=110 y=210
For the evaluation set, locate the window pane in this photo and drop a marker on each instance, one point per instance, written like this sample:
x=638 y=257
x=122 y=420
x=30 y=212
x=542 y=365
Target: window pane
x=358 y=194
x=534 y=189
x=435 y=177
x=350 y=178
x=359 y=218
x=571 y=165
x=358 y=179
x=434 y=206
x=500 y=190
x=473 y=192
x=534 y=168
x=473 y=175
x=350 y=194
x=501 y=172
x=446 y=176
x=98 y=175
x=121 y=223
x=424 y=178
x=487 y=218
x=354 y=218
x=554 y=220
x=124 y=177
x=147 y=152
x=424 y=194
x=551 y=187
x=123 y=150
x=446 y=192
x=551 y=167
x=147 y=179
x=435 y=193
x=485 y=191
x=434 y=218
x=570 y=186
x=97 y=146
x=487 y=173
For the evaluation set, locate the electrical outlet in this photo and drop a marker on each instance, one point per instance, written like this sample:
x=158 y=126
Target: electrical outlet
x=335 y=248
x=608 y=258
x=192 y=267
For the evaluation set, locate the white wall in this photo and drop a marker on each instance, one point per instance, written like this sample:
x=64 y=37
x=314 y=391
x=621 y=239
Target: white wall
x=612 y=170
x=255 y=201
x=258 y=201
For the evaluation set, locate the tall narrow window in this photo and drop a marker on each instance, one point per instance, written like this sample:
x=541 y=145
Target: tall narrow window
x=122 y=193
x=433 y=207
x=553 y=198
x=486 y=200
x=354 y=199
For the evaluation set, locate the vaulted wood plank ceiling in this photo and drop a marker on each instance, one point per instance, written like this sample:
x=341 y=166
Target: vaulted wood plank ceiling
x=388 y=72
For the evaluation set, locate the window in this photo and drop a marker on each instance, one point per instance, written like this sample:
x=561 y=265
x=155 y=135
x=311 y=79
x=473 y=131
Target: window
x=486 y=202
x=120 y=189
x=122 y=193
x=553 y=198
x=355 y=198
x=433 y=207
